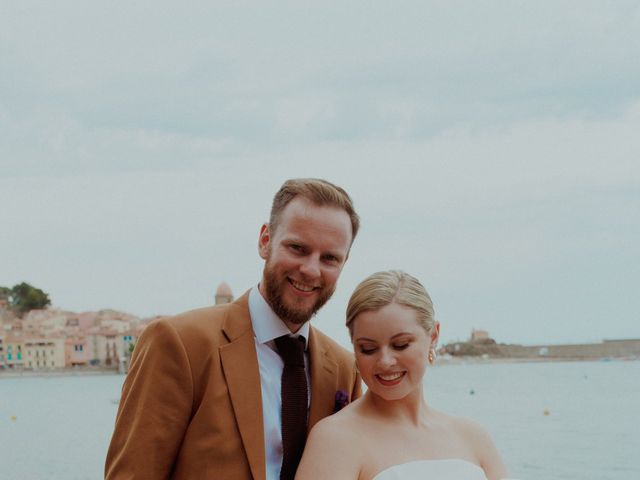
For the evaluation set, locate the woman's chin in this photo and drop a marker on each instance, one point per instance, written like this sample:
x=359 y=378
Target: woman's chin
x=388 y=394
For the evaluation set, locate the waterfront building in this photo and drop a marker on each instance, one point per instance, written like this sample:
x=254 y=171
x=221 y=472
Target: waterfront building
x=14 y=349
x=72 y=326
x=127 y=342
x=2 y=365
x=45 y=322
x=76 y=352
x=103 y=347
x=41 y=352
x=119 y=326
x=95 y=342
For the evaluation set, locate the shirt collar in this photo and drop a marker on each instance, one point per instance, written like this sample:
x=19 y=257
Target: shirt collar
x=267 y=326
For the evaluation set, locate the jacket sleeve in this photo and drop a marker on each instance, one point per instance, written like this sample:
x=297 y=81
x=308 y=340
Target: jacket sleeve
x=155 y=407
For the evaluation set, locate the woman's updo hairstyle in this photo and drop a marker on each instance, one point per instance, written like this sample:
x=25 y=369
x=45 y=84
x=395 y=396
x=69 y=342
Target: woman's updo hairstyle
x=392 y=286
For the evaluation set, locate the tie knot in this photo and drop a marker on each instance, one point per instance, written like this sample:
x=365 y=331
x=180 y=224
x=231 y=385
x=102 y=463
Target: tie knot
x=291 y=349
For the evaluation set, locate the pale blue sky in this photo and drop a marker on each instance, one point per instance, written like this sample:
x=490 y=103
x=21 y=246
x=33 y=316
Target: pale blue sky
x=491 y=148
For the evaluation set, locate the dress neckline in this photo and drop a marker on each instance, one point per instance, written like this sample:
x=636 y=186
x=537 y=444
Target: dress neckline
x=430 y=460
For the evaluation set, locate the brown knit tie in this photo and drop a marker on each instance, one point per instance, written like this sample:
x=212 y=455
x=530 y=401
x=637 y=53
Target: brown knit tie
x=294 y=404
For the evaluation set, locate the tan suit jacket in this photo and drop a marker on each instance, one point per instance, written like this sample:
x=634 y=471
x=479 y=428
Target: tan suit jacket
x=191 y=405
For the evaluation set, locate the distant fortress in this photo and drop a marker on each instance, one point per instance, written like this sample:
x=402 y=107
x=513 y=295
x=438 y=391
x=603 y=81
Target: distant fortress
x=480 y=344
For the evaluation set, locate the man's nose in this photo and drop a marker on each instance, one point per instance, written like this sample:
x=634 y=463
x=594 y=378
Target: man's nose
x=311 y=267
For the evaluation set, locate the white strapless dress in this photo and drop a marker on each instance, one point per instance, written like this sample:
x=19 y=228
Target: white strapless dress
x=449 y=469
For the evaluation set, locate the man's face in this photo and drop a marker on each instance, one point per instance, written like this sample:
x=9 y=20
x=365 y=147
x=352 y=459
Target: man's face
x=304 y=258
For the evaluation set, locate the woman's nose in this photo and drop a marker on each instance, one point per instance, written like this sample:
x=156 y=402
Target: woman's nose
x=386 y=358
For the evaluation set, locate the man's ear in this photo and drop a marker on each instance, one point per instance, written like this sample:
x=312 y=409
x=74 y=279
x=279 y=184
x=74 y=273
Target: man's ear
x=263 y=241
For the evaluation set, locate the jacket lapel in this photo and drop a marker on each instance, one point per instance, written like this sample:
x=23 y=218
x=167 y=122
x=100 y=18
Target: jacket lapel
x=240 y=365
x=324 y=379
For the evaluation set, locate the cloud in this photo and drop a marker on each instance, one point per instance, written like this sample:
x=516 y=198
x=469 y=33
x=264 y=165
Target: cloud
x=491 y=150
x=266 y=75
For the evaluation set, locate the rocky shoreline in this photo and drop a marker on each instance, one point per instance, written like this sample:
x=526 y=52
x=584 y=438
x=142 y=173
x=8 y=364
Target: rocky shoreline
x=446 y=360
x=487 y=348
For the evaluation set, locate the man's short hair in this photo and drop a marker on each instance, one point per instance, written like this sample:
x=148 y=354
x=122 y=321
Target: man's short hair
x=318 y=191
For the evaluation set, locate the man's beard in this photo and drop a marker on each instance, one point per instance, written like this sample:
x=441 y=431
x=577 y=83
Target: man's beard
x=274 y=287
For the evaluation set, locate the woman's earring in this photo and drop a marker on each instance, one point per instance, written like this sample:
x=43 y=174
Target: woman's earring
x=432 y=356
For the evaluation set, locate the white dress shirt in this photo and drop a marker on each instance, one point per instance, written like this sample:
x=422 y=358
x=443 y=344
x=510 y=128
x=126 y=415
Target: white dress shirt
x=267 y=326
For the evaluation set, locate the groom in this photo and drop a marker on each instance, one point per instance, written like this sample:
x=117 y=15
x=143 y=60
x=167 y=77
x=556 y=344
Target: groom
x=230 y=391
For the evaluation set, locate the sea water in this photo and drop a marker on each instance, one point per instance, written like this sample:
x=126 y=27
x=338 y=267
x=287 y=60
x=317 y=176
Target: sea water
x=551 y=421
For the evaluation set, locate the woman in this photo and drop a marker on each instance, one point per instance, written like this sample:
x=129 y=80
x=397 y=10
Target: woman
x=391 y=432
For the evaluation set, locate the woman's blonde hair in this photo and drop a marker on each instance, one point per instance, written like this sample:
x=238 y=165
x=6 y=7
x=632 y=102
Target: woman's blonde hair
x=392 y=286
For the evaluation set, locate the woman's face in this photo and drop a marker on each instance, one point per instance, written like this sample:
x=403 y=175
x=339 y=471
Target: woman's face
x=392 y=350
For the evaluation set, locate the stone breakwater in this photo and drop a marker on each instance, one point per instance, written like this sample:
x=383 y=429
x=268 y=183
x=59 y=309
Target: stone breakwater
x=629 y=349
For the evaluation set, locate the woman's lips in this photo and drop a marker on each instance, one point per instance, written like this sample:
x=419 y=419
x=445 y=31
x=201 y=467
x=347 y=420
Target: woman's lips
x=390 y=379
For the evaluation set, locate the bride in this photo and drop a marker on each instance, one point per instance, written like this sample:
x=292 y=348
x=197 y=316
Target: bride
x=391 y=432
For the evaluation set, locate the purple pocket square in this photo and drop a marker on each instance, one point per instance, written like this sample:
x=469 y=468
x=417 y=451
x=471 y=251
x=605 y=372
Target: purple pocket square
x=341 y=400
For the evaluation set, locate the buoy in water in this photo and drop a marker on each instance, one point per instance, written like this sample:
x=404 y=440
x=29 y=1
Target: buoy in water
x=13 y=418
x=546 y=412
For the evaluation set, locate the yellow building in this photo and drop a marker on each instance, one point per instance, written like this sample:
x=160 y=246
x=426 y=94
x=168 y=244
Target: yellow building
x=43 y=352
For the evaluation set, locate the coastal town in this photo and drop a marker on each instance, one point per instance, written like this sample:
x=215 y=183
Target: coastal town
x=50 y=339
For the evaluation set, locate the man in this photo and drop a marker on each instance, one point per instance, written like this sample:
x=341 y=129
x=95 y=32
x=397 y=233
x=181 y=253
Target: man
x=207 y=389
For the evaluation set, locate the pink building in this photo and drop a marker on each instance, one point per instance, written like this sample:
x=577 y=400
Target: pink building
x=76 y=351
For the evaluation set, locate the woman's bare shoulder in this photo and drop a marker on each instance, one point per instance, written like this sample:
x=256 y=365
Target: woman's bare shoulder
x=331 y=451
x=343 y=424
x=478 y=439
x=462 y=425
x=472 y=429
